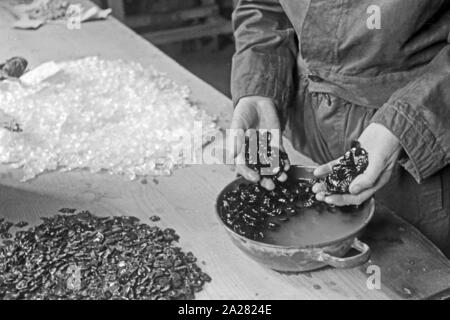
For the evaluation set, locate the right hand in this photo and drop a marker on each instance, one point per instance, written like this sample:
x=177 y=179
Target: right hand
x=255 y=112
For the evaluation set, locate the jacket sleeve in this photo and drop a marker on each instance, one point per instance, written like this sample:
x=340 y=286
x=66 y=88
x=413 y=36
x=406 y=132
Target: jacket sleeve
x=419 y=115
x=266 y=50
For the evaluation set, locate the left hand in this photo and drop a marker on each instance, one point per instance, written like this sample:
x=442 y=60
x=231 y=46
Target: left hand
x=384 y=149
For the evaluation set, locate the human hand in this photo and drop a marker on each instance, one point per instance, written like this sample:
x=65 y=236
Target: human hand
x=383 y=150
x=255 y=113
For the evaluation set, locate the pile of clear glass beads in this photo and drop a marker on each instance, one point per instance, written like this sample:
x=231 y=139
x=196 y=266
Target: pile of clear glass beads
x=99 y=115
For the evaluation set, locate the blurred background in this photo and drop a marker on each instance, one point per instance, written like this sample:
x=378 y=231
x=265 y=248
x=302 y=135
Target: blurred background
x=196 y=33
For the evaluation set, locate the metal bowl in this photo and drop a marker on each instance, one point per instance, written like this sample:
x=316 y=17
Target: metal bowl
x=305 y=257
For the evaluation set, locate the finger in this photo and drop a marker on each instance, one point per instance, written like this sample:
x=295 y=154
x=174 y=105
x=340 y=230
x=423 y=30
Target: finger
x=369 y=178
x=321 y=196
x=350 y=199
x=326 y=168
x=248 y=173
x=276 y=139
x=241 y=119
x=267 y=184
x=239 y=125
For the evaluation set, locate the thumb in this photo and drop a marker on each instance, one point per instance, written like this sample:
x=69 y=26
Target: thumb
x=369 y=178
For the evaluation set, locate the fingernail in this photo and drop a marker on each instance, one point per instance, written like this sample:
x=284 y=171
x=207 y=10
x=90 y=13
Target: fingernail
x=328 y=200
x=267 y=185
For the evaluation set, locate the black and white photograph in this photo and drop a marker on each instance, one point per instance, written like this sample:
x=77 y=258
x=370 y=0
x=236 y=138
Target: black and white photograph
x=227 y=155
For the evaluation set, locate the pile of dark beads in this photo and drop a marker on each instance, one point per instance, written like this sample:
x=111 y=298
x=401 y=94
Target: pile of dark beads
x=251 y=210
x=354 y=163
x=115 y=257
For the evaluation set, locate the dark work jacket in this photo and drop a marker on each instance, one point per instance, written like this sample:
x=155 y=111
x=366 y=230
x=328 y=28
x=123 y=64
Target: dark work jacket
x=401 y=69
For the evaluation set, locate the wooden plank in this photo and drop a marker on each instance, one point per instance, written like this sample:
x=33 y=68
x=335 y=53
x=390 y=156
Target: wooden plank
x=149 y=20
x=213 y=27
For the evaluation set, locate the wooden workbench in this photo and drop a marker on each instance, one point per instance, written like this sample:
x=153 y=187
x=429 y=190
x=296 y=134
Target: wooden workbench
x=185 y=201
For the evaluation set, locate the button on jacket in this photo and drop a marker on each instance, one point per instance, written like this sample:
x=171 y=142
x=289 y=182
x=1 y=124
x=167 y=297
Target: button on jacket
x=399 y=71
